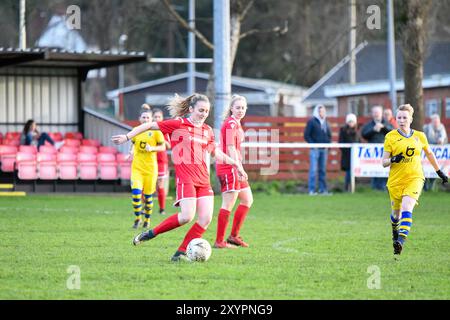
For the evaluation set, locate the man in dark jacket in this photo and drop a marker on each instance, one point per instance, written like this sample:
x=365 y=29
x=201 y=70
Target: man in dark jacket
x=374 y=132
x=318 y=131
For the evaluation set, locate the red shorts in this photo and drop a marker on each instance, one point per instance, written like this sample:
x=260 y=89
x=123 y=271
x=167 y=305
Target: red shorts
x=163 y=169
x=190 y=191
x=230 y=182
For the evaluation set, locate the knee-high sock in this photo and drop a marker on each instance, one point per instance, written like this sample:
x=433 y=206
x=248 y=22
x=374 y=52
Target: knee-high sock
x=239 y=218
x=196 y=231
x=148 y=208
x=167 y=225
x=405 y=224
x=222 y=224
x=136 y=195
x=162 y=198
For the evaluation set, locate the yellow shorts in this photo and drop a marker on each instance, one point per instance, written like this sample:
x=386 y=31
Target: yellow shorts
x=411 y=188
x=144 y=181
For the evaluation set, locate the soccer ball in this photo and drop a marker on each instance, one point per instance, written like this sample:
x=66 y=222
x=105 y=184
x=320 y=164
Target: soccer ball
x=198 y=250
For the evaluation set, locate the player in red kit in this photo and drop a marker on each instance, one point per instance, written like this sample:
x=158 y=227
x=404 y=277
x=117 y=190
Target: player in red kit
x=163 y=166
x=233 y=187
x=191 y=139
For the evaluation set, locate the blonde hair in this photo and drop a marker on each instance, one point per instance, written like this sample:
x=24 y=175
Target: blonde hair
x=179 y=107
x=146 y=108
x=406 y=107
x=234 y=98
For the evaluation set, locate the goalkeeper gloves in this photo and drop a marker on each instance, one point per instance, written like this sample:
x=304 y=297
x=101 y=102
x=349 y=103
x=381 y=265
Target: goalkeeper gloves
x=442 y=176
x=397 y=158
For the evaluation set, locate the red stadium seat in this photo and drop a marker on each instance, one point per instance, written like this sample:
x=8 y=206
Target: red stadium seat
x=8 y=157
x=108 y=171
x=13 y=135
x=10 y=142
x=72 y=143
x=124 y=166
x=56 y=136
x=27 y=170
x=73 y=135
x=67 y=166
x=87 y=165
x=28 y=149
x=90 y=142
x=67 y=149
x=46 y=157
x=88 y=149
x=5 y=149
x=66 y=157
x=120 y=157
x=107 y=166
x=125 y=170
x=48 y=170
x=26 y=166
x=86 y=157
x=25 y=156
x=67 y=170
x=48 y=149
x=103 y=149
x=106 y=157
x=88 y=170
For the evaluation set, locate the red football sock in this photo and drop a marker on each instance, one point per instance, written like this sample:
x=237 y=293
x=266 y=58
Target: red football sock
x=162 y=198
x=239 y=217
x=167 y=225
x=222 y=224
x=196 y=231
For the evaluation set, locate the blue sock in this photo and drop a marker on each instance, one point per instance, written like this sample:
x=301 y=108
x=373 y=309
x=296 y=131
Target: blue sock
x=405 y=225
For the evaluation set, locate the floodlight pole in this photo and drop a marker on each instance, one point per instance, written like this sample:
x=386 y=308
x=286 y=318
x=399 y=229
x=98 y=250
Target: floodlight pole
x=22 y=26
x=222 y=65
x=191 y=50
x=391 y=55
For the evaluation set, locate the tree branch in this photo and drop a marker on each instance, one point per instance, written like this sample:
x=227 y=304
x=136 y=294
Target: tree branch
x=276 y=29
x=246 y=10
x=185 y=25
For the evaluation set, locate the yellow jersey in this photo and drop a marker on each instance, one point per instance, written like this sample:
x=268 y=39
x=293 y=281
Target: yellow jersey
x=142 y=159
x=411 y=147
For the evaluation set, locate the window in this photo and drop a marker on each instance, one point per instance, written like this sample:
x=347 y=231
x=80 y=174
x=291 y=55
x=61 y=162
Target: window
x=447 y=107
x=432 y=106
x=358 y=106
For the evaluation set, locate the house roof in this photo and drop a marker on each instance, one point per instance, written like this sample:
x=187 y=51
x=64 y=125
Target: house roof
x=372 y=66
x=264 y=85
x=53 y=57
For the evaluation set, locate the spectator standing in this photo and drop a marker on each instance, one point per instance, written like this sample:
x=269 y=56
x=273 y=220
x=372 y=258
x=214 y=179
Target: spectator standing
x=318 y=131
x=374 y=132
x=348 y=134
x=436 y=134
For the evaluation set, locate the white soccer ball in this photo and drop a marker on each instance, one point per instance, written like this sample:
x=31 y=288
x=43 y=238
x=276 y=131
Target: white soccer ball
x=198 y=250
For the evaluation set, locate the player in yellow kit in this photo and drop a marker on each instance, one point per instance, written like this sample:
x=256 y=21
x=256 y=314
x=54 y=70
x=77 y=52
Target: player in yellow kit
x=144 y=168
x=402 y=152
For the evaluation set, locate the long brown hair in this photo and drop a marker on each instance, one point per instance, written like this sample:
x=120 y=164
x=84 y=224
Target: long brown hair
x=179 y=107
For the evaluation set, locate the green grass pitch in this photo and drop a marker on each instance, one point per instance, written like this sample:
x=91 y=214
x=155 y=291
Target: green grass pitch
x=302 y=247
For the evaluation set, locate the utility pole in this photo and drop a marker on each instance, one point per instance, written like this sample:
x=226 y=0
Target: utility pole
x=191 y=49
x=222 y=67
x=352 y=44
x=122 y=40
x=22 y=26
x=391 y=55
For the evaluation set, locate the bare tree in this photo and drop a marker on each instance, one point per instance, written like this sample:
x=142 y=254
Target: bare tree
x=414 y=47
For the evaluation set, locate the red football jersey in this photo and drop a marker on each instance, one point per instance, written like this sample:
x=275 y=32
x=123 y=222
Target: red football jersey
x=189 y=147
x=161 y=157
x=231 y=133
